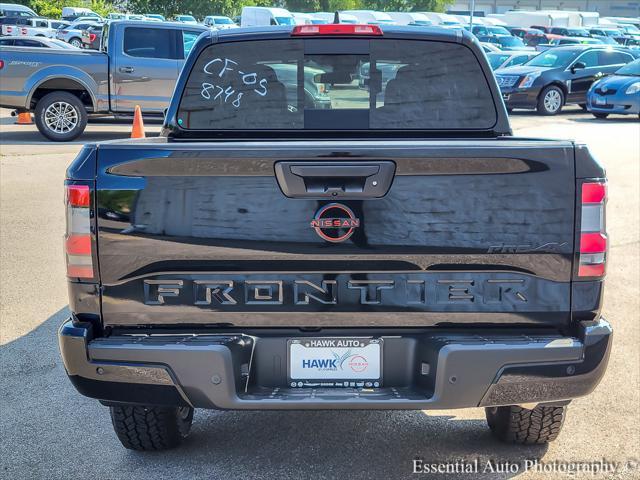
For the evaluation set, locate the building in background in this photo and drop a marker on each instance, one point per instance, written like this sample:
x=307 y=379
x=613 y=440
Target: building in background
x=612 y=8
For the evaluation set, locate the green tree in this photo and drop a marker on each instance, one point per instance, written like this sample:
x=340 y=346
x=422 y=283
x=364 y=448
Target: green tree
x=408 y=5
x=53 y=8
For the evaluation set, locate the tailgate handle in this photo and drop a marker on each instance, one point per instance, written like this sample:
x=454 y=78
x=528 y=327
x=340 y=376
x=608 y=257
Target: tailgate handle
x=335 y=179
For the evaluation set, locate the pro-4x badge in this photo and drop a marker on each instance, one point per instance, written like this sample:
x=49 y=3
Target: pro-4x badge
x=335 y=222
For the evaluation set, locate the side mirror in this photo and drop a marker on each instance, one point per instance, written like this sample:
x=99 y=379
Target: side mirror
x=578 y=66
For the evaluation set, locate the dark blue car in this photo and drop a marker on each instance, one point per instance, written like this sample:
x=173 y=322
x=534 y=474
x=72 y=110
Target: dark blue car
x=618 y=93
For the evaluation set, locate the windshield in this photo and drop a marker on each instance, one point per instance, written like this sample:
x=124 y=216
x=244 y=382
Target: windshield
x=186 y=18
x=630 y=28
x=285 y=21
x=578 y=32
x=497 y=59
x=497 y=30
x=223 y=21
x=553 y=58
x=510 y=42
x=389 y=85
x=631 y=69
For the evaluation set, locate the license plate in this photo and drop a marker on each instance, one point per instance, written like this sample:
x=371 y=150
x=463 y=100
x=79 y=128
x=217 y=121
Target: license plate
x=335 y=362
x=600 y=101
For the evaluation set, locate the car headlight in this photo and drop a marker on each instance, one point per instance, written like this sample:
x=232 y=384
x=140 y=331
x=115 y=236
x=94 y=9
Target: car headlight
x=528 y=80
x=633 y=88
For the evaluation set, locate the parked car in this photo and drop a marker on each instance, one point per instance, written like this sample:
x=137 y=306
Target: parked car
x=264 y=16
x=505 y=42
x=630 y=30
x=575 y=41
x=72 y=33
x=219 y=22
x=16 y=10
x=488 y=30
x=92 y=36
x=38 y=42
x=156 y=16
x=616 y=94
x=72 y=14
x=570 y=32
x=558 y=76
x=188 y=19
x=407 y=255
x=35 y=27
x=371 y=17
x=530 y=36
x=490 y=47
x=510 y=58
x=328 y=17
x=410 y=18
x=138 y=65
x=606 y=32
x=543 y=28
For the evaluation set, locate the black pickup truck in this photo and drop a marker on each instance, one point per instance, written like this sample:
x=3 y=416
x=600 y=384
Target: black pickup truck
x=395 y=248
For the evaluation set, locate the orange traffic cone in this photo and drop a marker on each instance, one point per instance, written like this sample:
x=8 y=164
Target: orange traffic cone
x=138 y=126
x=24 y=118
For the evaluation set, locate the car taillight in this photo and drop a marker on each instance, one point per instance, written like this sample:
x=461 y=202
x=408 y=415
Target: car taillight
x=64 y=32
x=336 y=29
x=92 y=37
x=593 y=236
x=77 y=240
x=1 y=64
x=9 y=29
x=23 y=31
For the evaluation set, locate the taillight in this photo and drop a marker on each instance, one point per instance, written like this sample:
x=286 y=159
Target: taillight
x=77 y=240
x=1 y=64
x=336 y=29
x=92 y=37
x=23 y=31
x=64 y=32
x=9 y=29
x=593 y=236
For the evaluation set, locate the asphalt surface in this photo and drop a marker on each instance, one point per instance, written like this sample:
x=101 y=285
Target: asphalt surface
x=50 y=431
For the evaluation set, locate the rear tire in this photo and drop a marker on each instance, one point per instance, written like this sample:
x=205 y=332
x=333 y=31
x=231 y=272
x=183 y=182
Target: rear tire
x=600 y=115
x=550 y=100
x=513 y=424
x=151 y=428
x=55 y=103
x=76 y=42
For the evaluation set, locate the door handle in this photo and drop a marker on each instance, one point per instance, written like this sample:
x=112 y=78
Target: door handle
x=126 y=69
x=347 y=180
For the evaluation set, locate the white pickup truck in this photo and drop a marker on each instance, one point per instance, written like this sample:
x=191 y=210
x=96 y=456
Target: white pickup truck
x=34 y=27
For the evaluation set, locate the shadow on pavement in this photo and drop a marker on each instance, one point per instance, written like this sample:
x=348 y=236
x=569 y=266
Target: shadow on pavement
x=50 y=431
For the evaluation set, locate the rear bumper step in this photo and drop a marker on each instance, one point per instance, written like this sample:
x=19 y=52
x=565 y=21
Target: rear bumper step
x=427 y=371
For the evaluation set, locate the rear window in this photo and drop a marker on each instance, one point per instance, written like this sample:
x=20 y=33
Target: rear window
x=315 y=84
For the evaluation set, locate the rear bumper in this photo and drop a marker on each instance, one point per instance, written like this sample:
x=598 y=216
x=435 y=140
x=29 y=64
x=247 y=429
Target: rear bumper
x=425 y=371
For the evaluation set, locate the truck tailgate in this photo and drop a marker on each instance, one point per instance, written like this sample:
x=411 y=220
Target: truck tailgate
x=470 y=231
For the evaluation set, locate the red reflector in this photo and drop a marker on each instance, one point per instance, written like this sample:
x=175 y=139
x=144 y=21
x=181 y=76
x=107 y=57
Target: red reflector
x=78 y=195
x=78 y=245
x=1 y=64
x=81 y=271
x=596 y=270
x=92 y=37
x=336 y=29
x=593 y=192
x=593 y=243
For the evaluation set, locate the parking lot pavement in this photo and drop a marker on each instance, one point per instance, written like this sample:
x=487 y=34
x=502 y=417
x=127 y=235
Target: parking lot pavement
x=49 y=431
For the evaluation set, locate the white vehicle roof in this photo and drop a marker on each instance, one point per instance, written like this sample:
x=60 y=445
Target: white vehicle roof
x=494 y=21
x=439 y=18
x=405 y=18
x=279 y=12
x=329 y=16
x=302 y=18
x=16 y=7
x=370 y=14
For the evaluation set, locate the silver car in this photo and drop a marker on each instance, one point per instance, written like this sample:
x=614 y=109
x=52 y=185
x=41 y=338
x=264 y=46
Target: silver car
x=72 y=34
